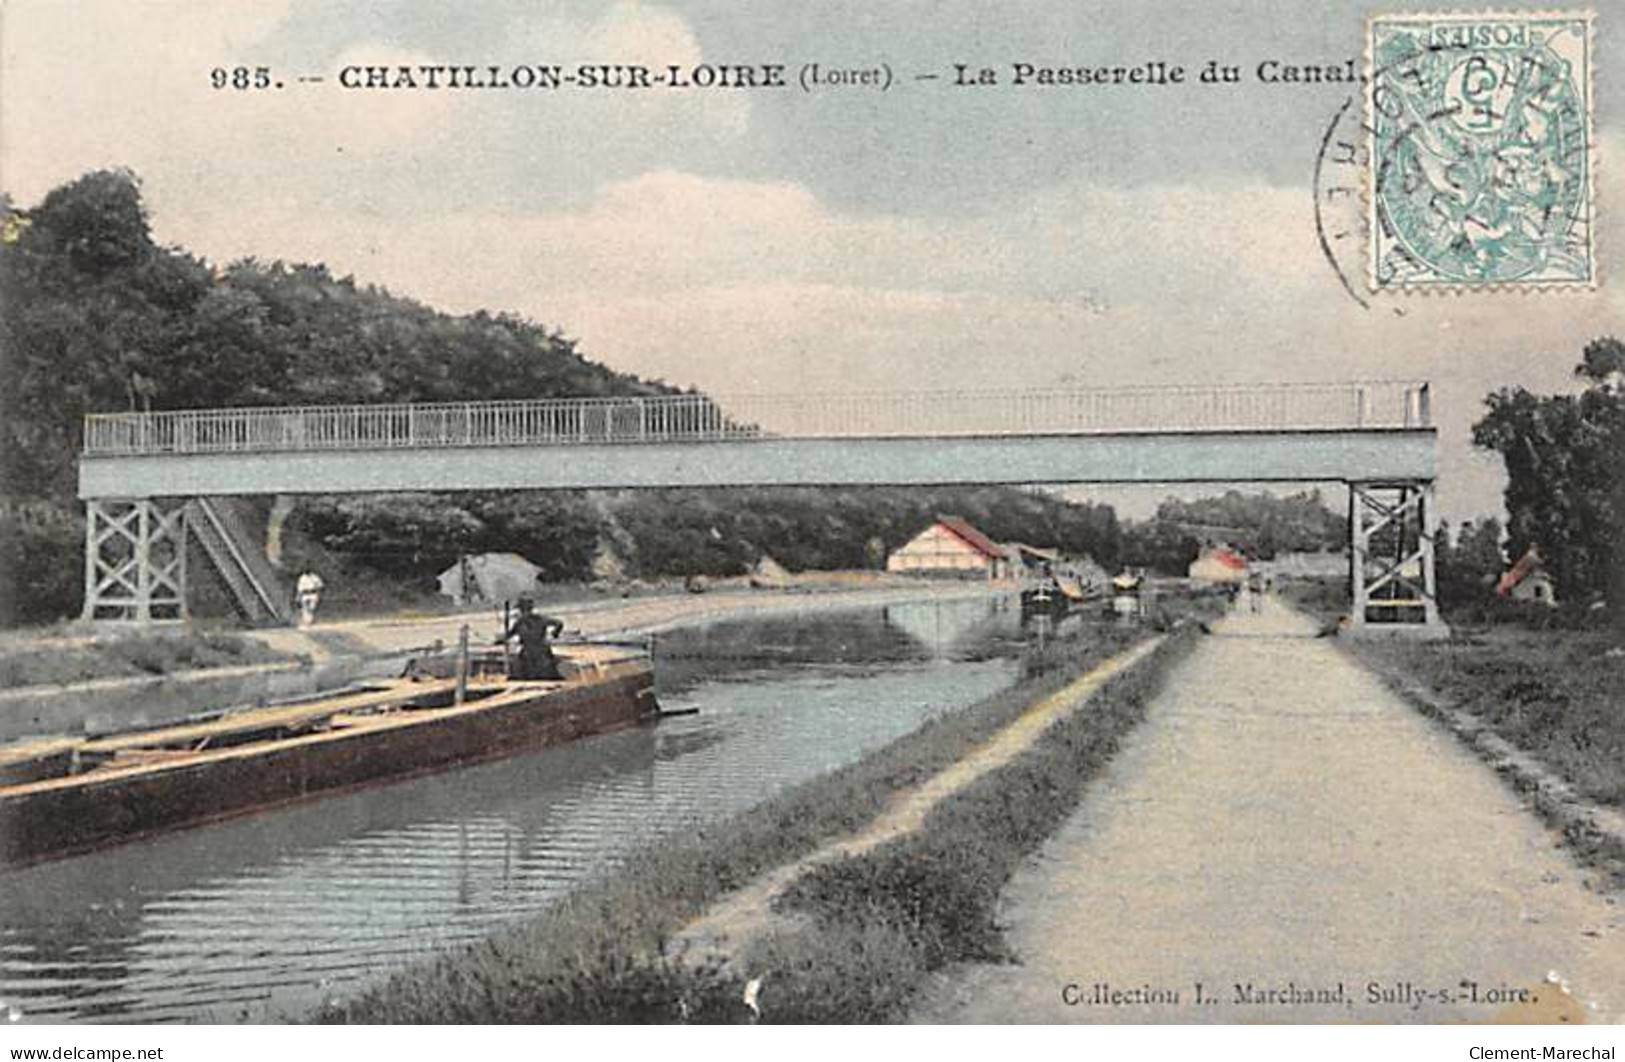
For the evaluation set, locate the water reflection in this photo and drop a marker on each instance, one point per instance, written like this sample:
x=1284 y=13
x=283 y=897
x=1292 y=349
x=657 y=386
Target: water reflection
x=957 y=630
x=264 y=916
x=921 y=631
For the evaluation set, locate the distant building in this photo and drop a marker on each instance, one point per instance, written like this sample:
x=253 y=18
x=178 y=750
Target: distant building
x=1528 y=580
x=1218 y=564
x=951 y=547
x=1031 y=560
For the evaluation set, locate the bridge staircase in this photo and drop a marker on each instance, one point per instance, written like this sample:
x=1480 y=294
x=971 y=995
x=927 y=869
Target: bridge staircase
x=221 y=527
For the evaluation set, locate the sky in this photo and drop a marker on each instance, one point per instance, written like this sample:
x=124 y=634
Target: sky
x=782 y=241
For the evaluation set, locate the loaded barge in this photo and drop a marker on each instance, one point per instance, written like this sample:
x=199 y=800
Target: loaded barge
x=60 y=796
x=1056 y=595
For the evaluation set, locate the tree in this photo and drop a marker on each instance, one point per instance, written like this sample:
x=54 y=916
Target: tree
x=1603 y=363
x=97 y=221
x=1160 y=545
x=100 y=318
x=407 y=535
x=1468 y=567
x=1565 y=464
x=1262 y=523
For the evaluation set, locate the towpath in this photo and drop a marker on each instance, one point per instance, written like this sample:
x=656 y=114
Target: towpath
x=1289 y=834
x=632 y=617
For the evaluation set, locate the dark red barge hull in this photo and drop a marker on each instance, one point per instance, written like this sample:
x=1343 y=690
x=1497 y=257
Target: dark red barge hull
x=108 y=805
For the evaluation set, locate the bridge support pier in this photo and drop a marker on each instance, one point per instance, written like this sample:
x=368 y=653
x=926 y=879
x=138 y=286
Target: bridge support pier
x=135 y=560
x=1393 y=527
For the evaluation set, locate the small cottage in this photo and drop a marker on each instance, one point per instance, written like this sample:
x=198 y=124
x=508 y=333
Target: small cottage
x=1218 y=565
x=769 y=573
x=1528 y=580
x=951 y=546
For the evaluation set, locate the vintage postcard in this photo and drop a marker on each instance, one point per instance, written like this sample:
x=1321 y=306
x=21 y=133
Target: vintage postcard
x=557 y=511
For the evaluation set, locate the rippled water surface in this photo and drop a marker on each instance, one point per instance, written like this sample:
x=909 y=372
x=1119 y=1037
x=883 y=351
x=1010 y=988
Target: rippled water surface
x=263 y=917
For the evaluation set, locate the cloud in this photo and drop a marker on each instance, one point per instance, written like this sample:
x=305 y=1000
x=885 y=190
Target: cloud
x=644 y=33
x=606 y=128
x=129 y=90
x=138 y=92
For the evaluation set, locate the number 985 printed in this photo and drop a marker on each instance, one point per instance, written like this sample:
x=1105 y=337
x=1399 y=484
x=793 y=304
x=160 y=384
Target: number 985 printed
x=243 y=78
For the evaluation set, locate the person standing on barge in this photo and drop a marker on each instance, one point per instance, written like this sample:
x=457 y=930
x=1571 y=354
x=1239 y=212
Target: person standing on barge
x=535 y=633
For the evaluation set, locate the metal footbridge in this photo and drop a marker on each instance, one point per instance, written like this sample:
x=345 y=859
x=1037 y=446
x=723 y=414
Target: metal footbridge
x=138 y=470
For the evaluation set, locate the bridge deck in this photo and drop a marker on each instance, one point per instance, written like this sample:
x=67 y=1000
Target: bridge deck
x=1280 y=433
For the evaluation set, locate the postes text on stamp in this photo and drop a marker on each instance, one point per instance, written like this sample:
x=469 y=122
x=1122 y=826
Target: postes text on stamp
x=1481 y=153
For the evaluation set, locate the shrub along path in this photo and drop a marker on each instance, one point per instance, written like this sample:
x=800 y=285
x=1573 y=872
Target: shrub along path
x=1284 y=823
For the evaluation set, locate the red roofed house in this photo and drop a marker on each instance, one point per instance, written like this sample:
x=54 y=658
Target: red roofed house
x=1527 y=580
x=1219 y=564
x=950 y=547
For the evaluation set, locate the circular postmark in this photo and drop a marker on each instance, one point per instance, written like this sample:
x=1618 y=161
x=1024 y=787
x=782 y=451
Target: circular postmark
x=1339 y=189
x=1342 y=188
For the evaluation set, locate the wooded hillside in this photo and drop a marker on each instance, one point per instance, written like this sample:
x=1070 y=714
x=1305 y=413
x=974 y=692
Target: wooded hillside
x=99 y=317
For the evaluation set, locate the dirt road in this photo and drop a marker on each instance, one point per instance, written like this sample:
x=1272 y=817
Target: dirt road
x=1287 y=834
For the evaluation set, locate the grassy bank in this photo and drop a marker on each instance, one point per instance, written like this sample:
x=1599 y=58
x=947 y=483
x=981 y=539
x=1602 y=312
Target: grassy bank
x=1553 y=692
x=1552 y=696
x=882 y=921
x=64 y=659
x=1527 y=675
x=1558 y=695
x=599 y=955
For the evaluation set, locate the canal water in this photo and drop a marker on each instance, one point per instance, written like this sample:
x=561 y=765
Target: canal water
x=264 y=917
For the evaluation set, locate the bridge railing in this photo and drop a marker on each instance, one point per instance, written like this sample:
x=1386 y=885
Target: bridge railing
x=699 y=418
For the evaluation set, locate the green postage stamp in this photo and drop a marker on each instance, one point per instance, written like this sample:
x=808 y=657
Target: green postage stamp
x=1480 y=131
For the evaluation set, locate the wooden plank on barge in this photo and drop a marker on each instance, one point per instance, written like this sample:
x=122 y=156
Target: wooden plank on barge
x=20 y=752
x=286 y=716
x=28 y=761
x=132 y=762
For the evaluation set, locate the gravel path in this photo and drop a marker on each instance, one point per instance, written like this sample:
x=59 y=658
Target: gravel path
x=1286 y=832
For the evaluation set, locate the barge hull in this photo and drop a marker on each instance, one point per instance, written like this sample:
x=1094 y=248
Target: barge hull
x=86 y=811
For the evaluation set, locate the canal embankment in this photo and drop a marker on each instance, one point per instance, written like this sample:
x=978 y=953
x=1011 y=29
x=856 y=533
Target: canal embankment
x=58 y=683
x=61 y=683
x=897 y=859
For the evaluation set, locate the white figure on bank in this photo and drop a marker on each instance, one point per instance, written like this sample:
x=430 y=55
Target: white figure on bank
x=308 y=592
